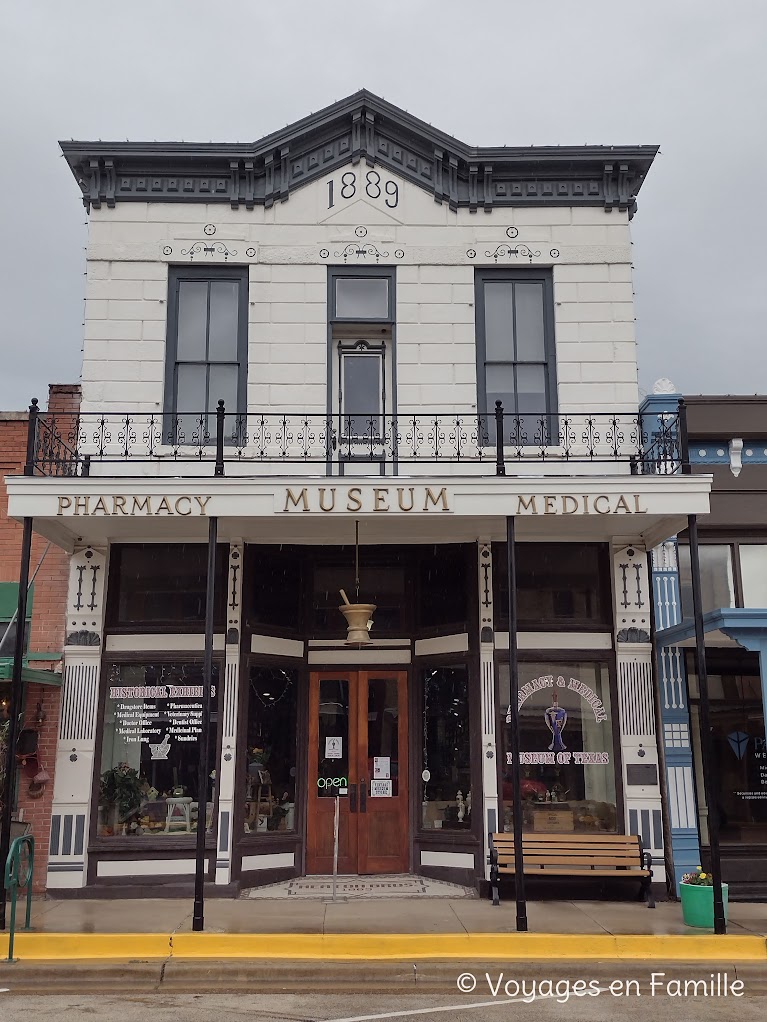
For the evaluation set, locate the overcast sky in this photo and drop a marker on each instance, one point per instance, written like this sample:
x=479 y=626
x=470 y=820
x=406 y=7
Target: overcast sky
x=689 y=75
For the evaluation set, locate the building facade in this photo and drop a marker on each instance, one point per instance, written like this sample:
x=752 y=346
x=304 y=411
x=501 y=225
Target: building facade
x=360 y=346
x=728 y=439
x=44 y=639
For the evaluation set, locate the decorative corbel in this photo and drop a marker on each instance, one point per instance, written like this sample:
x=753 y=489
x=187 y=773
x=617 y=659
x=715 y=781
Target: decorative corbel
x=736 y=455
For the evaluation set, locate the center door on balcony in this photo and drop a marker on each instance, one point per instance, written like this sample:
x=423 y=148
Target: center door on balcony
x=358 y=752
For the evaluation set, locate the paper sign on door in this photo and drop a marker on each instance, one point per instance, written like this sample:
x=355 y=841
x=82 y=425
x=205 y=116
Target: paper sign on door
x=380 y=789
x=382 y=767
x=334 y=748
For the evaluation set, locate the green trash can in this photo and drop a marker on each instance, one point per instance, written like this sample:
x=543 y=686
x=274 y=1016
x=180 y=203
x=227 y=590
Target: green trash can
x=698 y=904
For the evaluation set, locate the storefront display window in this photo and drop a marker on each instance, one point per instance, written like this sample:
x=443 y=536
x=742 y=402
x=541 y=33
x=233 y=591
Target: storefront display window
x=446 y=796
x=148 y=780
x=739 y=769
x=568 y=763
x=270 y=769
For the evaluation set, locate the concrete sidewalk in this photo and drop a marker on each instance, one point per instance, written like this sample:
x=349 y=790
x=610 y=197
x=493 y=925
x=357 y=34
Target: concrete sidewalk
x=380 y=916
x=385 y=945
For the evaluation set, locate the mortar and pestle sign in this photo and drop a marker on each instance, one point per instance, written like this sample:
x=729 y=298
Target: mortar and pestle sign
x=359 y=621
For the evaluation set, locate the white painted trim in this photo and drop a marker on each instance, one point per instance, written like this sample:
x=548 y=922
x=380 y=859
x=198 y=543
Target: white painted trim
x=455 y=860
x=360 y=656
x=161 y=643
x=270 y=860
x=145 y=867
x=275 y=646
x=458 y=643
x=340 y=643
x=69 y=880
x=556 y=640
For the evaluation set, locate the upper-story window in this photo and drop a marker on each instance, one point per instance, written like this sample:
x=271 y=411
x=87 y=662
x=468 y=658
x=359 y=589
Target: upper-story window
x=361 y=321
x=206 y=347
x=731 y=575
x=515 y=353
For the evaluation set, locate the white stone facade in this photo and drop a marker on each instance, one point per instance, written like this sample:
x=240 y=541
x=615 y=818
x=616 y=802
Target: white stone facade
x=131 y=246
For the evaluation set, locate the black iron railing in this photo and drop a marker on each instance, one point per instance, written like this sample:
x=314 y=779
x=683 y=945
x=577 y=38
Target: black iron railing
x=69 y=445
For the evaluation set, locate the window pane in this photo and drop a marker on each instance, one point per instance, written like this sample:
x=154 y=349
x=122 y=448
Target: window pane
x=383 y=730
x=333 y=745
x=381 y=583
x=362 y=394
x=191 y=425
x=739 y=746
x=498 y=321
x=224 y=314
x=362 y=297
x=443 y=593
x=531 y=389
x=567 y=757
x=499 y=386
x=7 y=644
x=150 y=751
x=222 y=385
x=164 y=583
x=528 y=299
x=716 y=580
x=446 y=799
x=192 y=320
x=270 y=780
x=190 y=388
x=753 y=569
x=557 y=584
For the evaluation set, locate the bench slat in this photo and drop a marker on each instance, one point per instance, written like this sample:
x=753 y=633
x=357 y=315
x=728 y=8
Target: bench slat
x=631 y=873
x=577 y=860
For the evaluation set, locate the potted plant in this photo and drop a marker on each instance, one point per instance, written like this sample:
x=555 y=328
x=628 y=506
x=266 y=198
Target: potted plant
x=121 y=788
x=697 y=893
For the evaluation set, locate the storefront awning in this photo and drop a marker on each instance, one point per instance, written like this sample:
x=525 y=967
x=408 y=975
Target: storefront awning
x=29 y=675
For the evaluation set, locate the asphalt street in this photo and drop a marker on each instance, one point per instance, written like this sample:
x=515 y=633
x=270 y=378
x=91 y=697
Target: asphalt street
x=365 y=1008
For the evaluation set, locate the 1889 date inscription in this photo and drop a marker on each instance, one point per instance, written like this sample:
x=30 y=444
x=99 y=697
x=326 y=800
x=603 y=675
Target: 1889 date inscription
x=372 y=186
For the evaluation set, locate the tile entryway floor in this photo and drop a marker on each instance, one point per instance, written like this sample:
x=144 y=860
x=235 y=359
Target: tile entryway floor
x=347 y=887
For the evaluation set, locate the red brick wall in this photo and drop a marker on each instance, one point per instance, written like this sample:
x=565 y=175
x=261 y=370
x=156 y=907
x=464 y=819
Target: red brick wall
x=48 y=610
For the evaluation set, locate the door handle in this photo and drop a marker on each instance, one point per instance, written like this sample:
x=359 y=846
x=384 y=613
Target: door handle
x=363 y=796
x=352 y=798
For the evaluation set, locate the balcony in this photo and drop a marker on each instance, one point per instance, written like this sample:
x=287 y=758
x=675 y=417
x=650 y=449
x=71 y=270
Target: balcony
x=256 y=444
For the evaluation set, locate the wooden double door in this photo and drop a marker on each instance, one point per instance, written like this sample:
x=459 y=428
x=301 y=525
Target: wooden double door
x=358 y=741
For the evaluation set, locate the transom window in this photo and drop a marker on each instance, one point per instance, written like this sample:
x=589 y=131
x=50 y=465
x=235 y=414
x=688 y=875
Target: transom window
x=515 y=352
x=207 y=348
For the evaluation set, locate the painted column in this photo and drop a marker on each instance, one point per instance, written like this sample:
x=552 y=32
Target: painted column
x=226 y=767
x=487 y=696
x=636 y=710
x=76 y=751
x=672 y=678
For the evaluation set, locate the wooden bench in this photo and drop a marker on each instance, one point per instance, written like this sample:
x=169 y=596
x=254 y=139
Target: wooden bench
x=582 y=856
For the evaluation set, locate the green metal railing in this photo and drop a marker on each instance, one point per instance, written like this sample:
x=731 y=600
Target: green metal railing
x=19 y=868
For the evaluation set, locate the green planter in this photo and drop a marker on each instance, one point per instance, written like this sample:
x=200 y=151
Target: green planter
x=698 y=904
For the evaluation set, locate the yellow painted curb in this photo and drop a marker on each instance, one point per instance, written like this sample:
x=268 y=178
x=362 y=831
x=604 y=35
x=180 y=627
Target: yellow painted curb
x=87 y=945
x=389 y=946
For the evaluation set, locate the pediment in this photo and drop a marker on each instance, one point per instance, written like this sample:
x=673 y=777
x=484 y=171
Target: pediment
x=362 y=129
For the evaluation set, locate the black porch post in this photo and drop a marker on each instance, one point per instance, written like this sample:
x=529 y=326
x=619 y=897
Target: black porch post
x=519 y=876
x=17 y=695
x=707 y=749
x=720 y=924
x=203 y=779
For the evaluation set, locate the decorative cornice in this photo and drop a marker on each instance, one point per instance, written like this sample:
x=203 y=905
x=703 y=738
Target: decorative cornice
x=361 y=127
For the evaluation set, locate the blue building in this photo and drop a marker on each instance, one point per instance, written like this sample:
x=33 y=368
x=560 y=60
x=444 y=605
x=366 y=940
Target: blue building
x=728 y=439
